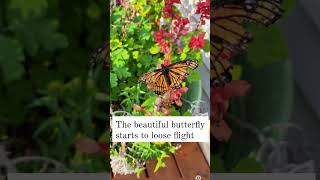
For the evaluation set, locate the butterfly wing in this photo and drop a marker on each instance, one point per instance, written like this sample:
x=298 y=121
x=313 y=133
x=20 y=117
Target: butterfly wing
x=228 y=19
x=156 y=81
x=178 y=72
x=168 y=77
x=228 y=35
x=220 y=73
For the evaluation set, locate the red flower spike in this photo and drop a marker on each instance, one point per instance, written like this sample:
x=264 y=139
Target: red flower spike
x=180 y=26
x=203 y=8
x=197 y=42
x=158 y=36
x=168 y=8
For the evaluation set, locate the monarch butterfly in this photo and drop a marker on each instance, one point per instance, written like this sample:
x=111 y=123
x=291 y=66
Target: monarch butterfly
x=228 y=35
x=228 y=19
x=168 y=77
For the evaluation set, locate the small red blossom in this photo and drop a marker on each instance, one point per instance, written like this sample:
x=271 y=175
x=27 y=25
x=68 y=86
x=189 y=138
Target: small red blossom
x=138 y=108
x=159 y=37
x=203 y=8
x=168 y=8
x=164 y=47
x=174 y=1
x=167 y=35
x=166 y=61
x=180 y=26
x=197 y=42
x=175 y=96
x=167 y=11
x=142 y=108
x=220 y=97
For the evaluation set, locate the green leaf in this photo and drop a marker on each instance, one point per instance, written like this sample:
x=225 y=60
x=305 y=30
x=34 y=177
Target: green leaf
x=135 y=54
x=114 y=44
x=154 y=50
x=149 y=102
x=11 y=58
x=113 y=80
x=236 y=72
x=186 y=49
x=119 y=57
x=174 y=112
x=187 y=113
x=194 y=76
x=132 y=28
x=160 y=164
x=183 y=56
x=248 y=165
x=47 y=123
x=206 y=47
x=122 y=72
x=41 y=33
x=269 y=46
x=29 y=8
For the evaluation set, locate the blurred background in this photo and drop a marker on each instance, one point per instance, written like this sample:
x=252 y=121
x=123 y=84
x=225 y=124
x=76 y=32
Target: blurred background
x=302 y=31
x=52 y=104
x=279 y=118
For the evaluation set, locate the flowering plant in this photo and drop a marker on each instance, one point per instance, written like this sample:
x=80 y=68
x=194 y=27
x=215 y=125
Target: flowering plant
x=145 y=36
x=178 y=39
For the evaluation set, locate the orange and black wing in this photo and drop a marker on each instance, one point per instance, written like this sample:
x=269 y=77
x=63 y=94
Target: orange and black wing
x=156 y=81
x=176 y=73
x=228 y=20
x=220 y=73
x=228 y=34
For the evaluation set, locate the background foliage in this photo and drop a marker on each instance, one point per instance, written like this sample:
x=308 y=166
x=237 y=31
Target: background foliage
x=47 y=98
x=133 y=52
x=267 y=68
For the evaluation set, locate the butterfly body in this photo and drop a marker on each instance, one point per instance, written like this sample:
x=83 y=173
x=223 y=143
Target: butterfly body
x=168 y=77
x=165 y=71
